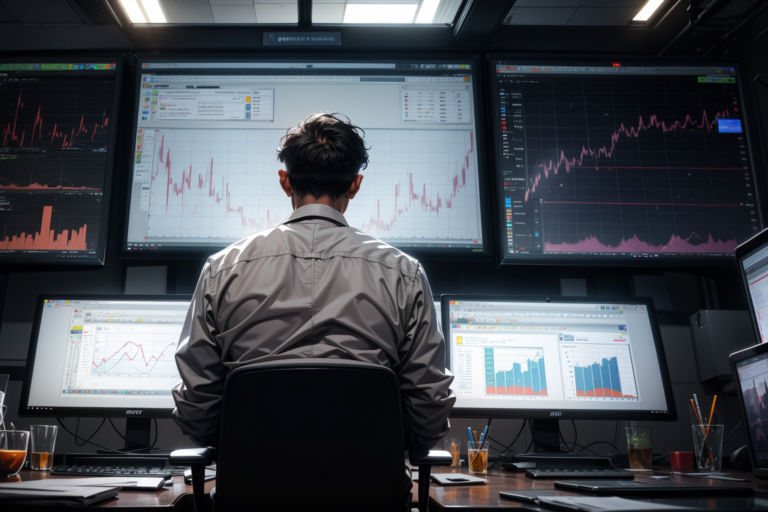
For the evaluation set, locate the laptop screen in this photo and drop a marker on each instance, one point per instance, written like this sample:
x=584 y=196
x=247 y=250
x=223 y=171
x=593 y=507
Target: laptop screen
x=753 y=377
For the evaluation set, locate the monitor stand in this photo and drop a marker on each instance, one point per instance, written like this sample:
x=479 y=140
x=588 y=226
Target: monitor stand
x=137 y=436
x=546 y=442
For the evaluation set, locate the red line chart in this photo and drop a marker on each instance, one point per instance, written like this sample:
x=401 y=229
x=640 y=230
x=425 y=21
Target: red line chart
x=594 y=155
x=131 y=351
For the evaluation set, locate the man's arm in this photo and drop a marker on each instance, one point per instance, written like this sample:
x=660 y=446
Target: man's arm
x=424 y=381
x=198 y=358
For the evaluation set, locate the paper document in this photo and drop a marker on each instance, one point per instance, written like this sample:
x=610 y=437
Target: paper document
x=600 y=504
x=134 y=483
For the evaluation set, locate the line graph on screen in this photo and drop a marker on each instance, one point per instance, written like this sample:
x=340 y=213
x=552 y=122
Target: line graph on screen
x=62 y=114
x=222 y=185
x=625 y=168
x=135 y=352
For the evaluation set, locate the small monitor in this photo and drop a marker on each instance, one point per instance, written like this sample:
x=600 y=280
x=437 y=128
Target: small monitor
x=752 y=256
x=560 y=358
x=105 y=356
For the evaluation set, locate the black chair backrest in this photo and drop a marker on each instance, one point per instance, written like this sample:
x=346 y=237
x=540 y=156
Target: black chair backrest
x=311 y=434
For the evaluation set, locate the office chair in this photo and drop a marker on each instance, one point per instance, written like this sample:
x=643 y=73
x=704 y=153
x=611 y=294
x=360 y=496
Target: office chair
x=310 y=434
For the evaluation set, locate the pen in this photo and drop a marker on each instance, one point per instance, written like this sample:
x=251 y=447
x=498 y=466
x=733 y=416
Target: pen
x=698 y=410
x=474 y=437
x=471 y=441
x=711 y=413
x=482 y=437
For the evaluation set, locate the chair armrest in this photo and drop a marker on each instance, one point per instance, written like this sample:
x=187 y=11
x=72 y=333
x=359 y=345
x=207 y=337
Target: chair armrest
x=430 y=458
x=193 y=457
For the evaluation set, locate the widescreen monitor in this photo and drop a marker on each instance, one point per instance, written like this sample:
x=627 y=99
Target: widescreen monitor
x=752 y=257
x=206 y=136
x=559 y=358
x=57 y=143
x=620 y=162
x=104 y=356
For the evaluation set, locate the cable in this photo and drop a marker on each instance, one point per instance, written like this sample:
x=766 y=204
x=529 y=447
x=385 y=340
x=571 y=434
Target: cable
x=77 y=428
x=733 y=432
x=519 y=432
x=599 y=442
x=115 y=429
x=112 y=450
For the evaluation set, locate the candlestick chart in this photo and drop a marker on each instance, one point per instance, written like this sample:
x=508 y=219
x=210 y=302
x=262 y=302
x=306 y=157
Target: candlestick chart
x=222 y=185
x=629 y=167
x=55 y=114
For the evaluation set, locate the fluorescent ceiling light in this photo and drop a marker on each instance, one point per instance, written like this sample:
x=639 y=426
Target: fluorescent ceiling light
x=427 y=11
x=153 y=10
x=133 y=11
x=380 y=13
x=648 y=9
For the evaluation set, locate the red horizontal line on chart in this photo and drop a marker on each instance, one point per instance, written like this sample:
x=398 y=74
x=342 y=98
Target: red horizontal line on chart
x=638 y=204
x=676 y=168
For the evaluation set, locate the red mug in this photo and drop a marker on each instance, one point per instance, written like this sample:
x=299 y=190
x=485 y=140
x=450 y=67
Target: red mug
x=681 y=460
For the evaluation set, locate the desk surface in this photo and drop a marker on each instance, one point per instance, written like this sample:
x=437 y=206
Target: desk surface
x=174 y=497
x=484 y=497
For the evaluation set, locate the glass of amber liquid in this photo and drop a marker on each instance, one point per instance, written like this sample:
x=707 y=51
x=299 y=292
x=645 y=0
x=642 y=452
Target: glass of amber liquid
x=639 y=445
x=13 y=451
x=478 y=458
x=453 y=446
x=43 y=441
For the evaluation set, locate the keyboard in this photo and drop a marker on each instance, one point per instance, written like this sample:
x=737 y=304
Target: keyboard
x=579 y=473
x=154 y=472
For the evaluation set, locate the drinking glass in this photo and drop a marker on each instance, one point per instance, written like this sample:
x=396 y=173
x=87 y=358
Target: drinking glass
x=708 y=447
x=2 y=409
x=478 y=458
x=13 y=451
x=453 y=446
x=639 y=445
x=43 y=441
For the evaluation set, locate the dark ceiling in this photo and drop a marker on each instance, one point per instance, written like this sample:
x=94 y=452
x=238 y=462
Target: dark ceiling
x=680 y=28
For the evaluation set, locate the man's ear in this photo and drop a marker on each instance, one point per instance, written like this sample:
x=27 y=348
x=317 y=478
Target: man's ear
x=285 y=183
x=354 y=188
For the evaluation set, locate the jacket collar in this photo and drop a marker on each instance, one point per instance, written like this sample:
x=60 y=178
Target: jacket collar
x=314 y=211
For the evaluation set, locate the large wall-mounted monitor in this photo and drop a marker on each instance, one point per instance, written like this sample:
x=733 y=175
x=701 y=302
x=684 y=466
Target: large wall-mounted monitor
x=106 y=356
x=207 y=132
x=57 y=138
x=620 y=162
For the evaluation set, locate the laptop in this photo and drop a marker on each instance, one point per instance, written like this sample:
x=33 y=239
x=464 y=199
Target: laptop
x=750 y=373
x=752 y=259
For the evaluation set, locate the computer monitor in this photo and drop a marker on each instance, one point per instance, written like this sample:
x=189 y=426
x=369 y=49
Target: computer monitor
x=104 y=356
x=57 y=140
x=547 y=359
x=622 y=162
x=750 y=373
x=752 y=258
x=207 y=132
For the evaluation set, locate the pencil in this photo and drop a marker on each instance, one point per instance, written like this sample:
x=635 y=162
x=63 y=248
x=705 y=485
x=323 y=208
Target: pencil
x=711 y=413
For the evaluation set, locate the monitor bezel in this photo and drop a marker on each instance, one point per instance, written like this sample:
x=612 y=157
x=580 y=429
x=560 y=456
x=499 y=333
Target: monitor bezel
x=99 y=260
x=484 y=176
x=720 y=261
x=734 y=359
x=760 y=239
x=98 y=412
x=518 y=410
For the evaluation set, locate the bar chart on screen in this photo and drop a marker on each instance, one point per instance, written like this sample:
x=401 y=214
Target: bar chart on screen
x=515 y=372
x=594 y=371
x=222 y=185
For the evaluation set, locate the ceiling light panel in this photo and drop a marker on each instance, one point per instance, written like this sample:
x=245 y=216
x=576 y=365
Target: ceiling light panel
x=153 y=10
x=134 y=12
x=380 y=13
x=648 y=9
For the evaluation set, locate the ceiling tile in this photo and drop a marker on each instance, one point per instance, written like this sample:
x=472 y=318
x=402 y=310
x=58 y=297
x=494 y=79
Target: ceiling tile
x=277 y=13
x=41 y=11
x=231 y=2
x=79 y=36
x=327 y=13
x=602 y=16
x=552 y=16
x=15 y=36
x=187 y=11
x=233 y=14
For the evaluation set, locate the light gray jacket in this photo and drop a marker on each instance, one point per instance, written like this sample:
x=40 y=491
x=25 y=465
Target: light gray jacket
x=313 y=287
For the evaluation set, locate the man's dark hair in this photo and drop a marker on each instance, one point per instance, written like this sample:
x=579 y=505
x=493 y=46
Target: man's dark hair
x=323 y=155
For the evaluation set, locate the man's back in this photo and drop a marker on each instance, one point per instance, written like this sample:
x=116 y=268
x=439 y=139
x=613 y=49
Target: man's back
x=313 y=288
